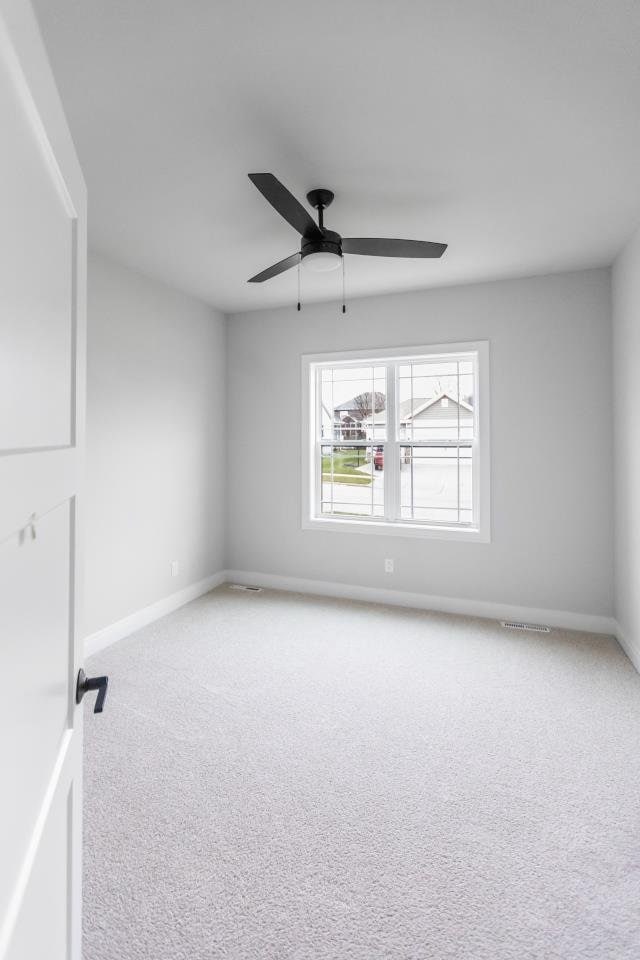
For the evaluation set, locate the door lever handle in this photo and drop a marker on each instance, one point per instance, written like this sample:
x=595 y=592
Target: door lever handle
x=86 y=683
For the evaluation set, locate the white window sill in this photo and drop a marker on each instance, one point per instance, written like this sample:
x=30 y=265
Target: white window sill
x=400 y=529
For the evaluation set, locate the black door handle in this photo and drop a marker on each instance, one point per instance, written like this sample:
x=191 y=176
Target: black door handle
x=86 y=683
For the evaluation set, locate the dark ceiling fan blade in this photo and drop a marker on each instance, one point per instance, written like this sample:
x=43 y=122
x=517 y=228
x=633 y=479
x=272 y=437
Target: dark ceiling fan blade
x=276 y=269
x=286 y=205
x=379 y=247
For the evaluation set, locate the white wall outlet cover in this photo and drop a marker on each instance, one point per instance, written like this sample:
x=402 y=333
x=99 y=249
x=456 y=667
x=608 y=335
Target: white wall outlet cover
x=388 y=566
x=175 y=568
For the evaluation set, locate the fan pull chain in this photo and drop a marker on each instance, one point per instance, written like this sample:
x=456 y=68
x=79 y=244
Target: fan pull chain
x=344 y=306
x=298 y=286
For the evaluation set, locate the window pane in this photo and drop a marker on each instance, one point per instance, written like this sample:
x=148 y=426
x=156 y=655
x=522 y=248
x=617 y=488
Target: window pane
x=435 y=484
x=466 y=485
x=354 y=402
x=434 y=368
x=376 y=423
x=326 y=411
x=352 y=480
x=435 y=401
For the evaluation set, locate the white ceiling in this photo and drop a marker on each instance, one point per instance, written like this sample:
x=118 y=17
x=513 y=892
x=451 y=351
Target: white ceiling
x=509 y=129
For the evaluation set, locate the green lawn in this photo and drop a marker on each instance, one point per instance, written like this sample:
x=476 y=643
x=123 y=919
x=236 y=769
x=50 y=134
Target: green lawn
x=345 y=463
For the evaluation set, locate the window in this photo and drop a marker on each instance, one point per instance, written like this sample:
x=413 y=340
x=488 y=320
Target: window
x=397 y=441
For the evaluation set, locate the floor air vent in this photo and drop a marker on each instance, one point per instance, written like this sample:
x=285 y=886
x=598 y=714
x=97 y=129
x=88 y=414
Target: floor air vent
x=241 y=586
x=520 y=625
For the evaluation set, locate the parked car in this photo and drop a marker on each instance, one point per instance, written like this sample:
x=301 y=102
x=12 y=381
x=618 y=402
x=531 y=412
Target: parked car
x=378 y=458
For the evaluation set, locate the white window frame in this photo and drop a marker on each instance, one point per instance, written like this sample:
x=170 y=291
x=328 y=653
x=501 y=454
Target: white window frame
x=480 y=531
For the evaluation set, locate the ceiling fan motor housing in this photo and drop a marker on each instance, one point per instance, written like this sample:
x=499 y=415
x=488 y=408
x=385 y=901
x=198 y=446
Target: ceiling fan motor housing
x=330 y=243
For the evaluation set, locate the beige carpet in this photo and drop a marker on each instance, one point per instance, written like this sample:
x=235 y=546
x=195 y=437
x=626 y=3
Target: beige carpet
x=283 y=776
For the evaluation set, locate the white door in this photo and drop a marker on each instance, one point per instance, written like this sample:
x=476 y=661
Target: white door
x=42 y=369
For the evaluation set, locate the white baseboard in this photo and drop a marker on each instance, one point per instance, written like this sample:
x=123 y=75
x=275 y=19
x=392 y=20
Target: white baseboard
x=562 y=619
x=135 y=621
x=631 y=651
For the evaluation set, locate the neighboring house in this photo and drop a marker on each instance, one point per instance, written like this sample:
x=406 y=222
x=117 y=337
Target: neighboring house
x=348 y=418
x=349 y=409
x=344 y=424
x=348 y=427
x=441 y=417
x=422 y=419
x=327 y=422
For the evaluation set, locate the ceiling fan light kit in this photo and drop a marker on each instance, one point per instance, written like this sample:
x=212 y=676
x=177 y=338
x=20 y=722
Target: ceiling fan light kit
x=321 y=261
x=322 y=250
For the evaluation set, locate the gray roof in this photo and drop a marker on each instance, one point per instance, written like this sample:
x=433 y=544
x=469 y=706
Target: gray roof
x=415 y=405
x=405 y=408
x=347 y=405
x=410 y=406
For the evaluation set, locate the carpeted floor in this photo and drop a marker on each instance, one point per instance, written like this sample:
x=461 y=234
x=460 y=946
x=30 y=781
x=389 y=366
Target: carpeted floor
x=283 y=776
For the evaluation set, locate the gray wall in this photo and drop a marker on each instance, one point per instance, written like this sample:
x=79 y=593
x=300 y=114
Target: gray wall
x=155 y=442
x=626 y=366
x=551 y=442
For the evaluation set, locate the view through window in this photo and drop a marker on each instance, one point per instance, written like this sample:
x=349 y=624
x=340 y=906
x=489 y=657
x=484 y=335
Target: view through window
x=396 y=440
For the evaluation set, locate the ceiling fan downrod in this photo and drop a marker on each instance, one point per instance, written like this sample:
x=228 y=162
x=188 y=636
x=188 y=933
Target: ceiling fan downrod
x=320 y=199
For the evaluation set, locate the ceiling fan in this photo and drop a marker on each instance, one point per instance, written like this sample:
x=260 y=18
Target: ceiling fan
x=322 y=249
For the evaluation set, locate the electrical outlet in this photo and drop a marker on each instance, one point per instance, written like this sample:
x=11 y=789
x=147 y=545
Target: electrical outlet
x=388 y=566
x=175 y=568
